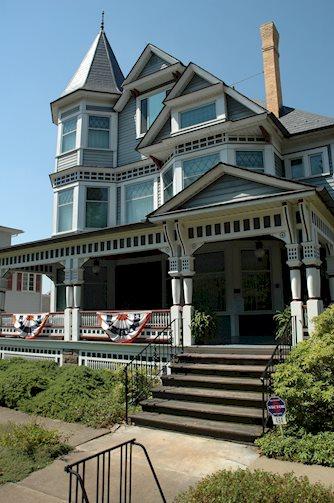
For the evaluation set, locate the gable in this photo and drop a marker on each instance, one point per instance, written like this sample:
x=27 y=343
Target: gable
x=154 y=64
x=195 y=84
x=236 y=110
x=229 y=188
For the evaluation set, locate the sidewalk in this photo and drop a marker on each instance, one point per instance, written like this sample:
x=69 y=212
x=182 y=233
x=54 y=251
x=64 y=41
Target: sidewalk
x=179 y=460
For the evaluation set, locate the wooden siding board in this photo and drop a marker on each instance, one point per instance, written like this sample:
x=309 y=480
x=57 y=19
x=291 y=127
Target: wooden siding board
x=100 y=158
x=229 y=188
x=196 y=84
x=236 y=110
x=164 y=131
x=127 y=140
x=154 y=64
x=67 y=161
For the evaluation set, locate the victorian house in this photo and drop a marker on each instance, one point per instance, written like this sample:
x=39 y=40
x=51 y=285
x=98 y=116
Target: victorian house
x=171 y=190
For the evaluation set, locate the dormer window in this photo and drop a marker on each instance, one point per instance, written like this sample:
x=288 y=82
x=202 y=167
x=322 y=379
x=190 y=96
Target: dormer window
x=69 y=133
x=150 y=108
x=98 y=132
x=198 y=115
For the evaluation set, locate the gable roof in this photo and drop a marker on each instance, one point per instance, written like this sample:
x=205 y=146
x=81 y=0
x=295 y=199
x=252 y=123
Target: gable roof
x=298 y=121
x=98 y=71
x=209 y=192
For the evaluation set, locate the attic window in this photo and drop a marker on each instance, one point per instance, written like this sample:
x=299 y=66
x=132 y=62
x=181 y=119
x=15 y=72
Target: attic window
x=198 y=115
x=150 y=108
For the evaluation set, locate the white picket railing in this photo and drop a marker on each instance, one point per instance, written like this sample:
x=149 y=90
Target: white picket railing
x=54 y=326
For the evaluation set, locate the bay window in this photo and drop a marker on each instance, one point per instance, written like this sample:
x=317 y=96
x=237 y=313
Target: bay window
x=316 y=164
x=167 y=180
x=306 y=165
x=96 y=207
x=65 y=210
x=98 y=131
x=252 y=159
x=297 y=167
x=194 y=168
x=150 y=108
x=69 y=132
x=138 y=200
x=198 y=115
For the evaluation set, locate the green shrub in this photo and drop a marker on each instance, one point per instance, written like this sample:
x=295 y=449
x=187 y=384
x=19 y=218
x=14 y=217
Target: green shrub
x=283 y=323
x=23 y=379
x=203 y=326
x=306 y=379
x=255 y=487
x=25 y=448
x=299 y=446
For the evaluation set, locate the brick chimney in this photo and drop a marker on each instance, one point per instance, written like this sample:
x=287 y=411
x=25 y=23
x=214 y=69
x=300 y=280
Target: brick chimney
x=272 y=78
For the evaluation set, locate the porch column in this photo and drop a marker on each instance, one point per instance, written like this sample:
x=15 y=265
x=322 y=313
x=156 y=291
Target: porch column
x=175 y=312
x=187 y=268
x=77 y=295
x=311 y=259
x=294 y=263
x=3 y=286
x=330 y=274
x=68 y=313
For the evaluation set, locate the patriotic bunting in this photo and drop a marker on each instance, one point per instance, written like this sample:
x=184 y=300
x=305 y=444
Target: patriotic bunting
x=123 y=327
x=29 y=326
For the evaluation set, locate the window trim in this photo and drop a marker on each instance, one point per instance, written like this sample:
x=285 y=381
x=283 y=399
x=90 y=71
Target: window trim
x=305 y=156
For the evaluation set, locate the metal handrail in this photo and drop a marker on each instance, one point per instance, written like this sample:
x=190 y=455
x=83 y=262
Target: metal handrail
x=148 y=355
x=102 y=491
x=279 y=355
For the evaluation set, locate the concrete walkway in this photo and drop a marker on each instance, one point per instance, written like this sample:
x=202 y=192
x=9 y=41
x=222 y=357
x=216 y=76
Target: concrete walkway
x=179 y=460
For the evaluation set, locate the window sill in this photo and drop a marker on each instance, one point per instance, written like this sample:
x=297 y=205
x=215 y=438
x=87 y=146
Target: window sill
x=198 y=126
x=67 y=152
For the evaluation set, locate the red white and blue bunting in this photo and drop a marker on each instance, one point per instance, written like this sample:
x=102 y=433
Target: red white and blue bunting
x=123 y=327
x=29 y=326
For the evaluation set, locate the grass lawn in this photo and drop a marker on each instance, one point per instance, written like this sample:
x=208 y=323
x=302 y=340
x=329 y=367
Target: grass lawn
x=26 y=448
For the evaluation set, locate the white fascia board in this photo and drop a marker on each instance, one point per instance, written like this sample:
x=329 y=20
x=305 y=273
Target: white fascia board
x=196 y=96
x=10 y=230
x=188 y=74
x=80 y=94
x=245 y=203
x=143 y=59
x=154 y=79
x=244 y=101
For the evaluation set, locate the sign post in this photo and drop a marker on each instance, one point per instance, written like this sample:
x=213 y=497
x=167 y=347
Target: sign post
x=277 y=410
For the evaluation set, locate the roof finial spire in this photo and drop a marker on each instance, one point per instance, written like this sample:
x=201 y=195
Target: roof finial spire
x=102 y=21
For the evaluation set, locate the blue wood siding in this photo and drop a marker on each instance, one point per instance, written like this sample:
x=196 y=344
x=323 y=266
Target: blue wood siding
x=322 y=181
x=236 y=110
x=67 y=161
x=100 y=158
x=154 y=64
x=164 y=131
x=127 y=140
x=196 y=84
x=279 y=166
x=230 y=188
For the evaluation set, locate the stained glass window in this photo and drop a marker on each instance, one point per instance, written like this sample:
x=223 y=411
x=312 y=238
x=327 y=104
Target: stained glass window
x=252 y=159
x=138 y=200
x=194 y=168
x=198 y=115
x=98 y=131
x=65 y=210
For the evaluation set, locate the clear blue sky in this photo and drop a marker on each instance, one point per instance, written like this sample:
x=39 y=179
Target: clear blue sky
x=43 y=41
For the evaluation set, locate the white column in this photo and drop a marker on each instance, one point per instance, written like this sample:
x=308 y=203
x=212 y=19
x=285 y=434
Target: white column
x=187 y=268
x=311 y=254
x=174 y=272
x=294 y=263
x=68 y=313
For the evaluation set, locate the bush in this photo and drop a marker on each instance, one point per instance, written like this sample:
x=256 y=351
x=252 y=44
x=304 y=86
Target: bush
x=255 y=487
x=25 y=448
x=299 y=446
x=306 y=379
x=23 y=379
x=203 y=326
x=282 y=320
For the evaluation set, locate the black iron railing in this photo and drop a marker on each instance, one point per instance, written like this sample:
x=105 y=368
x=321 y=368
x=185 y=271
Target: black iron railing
x=278 y=356
x=107 y=477
x=144 y=369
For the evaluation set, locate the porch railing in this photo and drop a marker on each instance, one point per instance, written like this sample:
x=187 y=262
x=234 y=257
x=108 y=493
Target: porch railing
x=159 y=318
x=53 y=327
x=145 y=367
x=108 y=476
x=278 y=356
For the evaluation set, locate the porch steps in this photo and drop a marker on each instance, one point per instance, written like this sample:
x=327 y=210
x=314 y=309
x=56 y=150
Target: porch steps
x=212 y=394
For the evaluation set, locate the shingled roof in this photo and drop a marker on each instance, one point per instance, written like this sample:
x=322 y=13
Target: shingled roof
x=297 y=121
x=99 y=70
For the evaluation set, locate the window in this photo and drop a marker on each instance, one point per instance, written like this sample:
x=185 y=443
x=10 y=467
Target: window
x=198 y=115
x=167 y=179
x=316 y=164
x=96 y=207
x=65 y=210
x=138 y=200
x=256 y=281
x=194 y=168
x=150 y=108
x=98 y=131
x=69 y=134
x=297 y=167
x=209 y=281
x=252 y=159
x=28 y=282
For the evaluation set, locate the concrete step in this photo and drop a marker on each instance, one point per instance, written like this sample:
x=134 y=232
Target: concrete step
x=216 y=369
x=212 y=381
x=232 y=349
x=245 y=433
x=211 y=412
x=203 y=395
x=224 y=359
